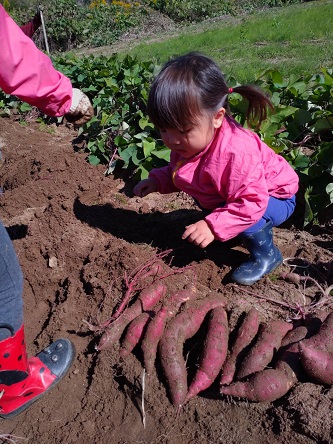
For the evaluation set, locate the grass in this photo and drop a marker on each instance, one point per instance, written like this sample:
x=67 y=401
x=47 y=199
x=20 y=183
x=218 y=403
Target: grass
x=295 y=39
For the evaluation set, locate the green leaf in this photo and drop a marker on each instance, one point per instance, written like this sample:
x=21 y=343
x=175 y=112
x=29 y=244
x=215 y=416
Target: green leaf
x=24 y=107
x=323 y=124
x=144 y=122
x=148 y=147
x=301 y=161
x=325 y=154
x=163 y=153
x=120 y=141
x=94 y=160
x=127 y=153
x=277 y=79
x=302 y=116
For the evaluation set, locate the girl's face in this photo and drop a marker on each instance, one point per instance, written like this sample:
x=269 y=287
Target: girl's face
x=195 y=138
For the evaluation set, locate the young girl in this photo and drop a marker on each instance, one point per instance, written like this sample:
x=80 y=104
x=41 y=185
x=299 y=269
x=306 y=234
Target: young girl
x=241 y=185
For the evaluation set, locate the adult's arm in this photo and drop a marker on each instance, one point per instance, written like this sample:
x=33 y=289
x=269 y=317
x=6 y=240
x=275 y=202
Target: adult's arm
x=28 y=73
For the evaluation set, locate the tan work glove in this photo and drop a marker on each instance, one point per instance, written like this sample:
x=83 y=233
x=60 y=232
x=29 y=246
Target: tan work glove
x=81 y=110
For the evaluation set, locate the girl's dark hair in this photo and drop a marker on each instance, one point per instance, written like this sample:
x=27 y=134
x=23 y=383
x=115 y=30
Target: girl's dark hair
x=192 y=84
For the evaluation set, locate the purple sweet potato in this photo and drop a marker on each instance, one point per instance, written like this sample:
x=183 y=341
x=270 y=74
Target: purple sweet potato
x=214 y=353
x=146 y=301
x=273 y=383
x=313 y=321
x=288 y=356
x=182 y=327
x=317 y=363
x=323 y=340
x=134 y=333
x=316 y=352
x=265 y=386
x=262 y=352
x=245 y=335
x=157 y=325
x=294 y=336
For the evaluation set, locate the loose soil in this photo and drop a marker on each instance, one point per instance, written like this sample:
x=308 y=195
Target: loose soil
x=78 y=234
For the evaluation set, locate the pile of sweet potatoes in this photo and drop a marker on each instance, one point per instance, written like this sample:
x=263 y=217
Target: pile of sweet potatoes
x=280 y=355
x=160 y=324
x=259 y=362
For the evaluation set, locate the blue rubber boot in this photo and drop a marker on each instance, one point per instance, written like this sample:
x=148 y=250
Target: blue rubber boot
x=264 y=256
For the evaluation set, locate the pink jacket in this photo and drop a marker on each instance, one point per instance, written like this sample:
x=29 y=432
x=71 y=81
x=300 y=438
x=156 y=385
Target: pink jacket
x=28 y=73
x=236 y=169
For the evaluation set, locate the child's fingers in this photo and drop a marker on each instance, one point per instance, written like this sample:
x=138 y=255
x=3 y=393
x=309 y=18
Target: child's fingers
x=141 y=189
x=145 y=191
x=188 y=231
x=137 y=190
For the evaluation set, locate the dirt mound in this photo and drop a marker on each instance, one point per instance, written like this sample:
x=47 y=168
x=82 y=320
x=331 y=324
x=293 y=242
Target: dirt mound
x=78 y=234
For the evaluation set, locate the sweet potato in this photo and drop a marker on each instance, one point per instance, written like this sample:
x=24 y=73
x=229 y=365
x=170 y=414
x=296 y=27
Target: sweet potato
x=288 y=356
x=293 y=336
x=182 y=327
x=147 y=299
x=214 y=353
x=265 y=386
x=323 y=340
x=273 y=383
x=313 y=321
x=262 y=352
x=317 y=363
x=157 y=325
x=316 y=353
x=134 y=333
x=245 y=335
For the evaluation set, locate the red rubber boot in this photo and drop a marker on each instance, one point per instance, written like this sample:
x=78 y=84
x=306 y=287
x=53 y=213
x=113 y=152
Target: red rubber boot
x=22 y=380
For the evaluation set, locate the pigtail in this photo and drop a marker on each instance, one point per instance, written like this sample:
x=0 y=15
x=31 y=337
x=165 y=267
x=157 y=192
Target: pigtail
x=258 y=103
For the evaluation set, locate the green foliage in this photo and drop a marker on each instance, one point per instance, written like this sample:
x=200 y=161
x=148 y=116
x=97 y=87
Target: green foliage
x=196 y=10
x=104 y=22
x=119 y=133
x=65 y=24
x=193 y=10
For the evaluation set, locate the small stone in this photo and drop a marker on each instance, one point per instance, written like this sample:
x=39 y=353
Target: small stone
x=53 y=262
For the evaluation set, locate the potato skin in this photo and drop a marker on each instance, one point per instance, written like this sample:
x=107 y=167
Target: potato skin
x=214 y=352
x=317 y=363
x=182 y=327
x=265 y=386
x=134 y=333
x=146 y=301
x=157 y=325
x=316 y=352
x=268 y=342
x=323 y=340
x=245 y=335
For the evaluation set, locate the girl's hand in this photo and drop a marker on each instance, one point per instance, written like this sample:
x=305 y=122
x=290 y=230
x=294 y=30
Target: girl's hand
x=145 y=187
x=199 y=233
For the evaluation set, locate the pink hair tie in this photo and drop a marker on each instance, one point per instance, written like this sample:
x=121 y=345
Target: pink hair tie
x=231 y=90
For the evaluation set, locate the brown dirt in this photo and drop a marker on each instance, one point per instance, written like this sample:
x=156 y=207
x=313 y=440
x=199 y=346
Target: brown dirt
x=77 y=234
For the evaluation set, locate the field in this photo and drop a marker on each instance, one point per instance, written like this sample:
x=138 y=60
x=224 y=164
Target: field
x=55 y=205
x=78 y=235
